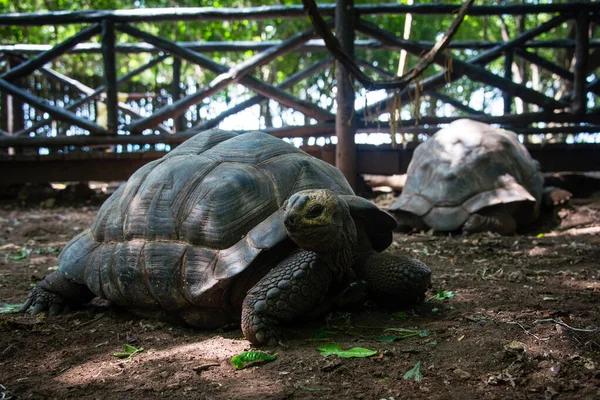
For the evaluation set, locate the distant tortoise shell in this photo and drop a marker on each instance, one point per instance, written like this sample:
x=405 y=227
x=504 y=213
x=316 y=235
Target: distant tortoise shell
x=465 y=167
x=184 y=225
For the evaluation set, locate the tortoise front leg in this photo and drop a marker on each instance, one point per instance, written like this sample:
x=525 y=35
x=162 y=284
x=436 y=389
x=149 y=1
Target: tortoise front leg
x=57 y=294
x=394 y=278
x=291 y=289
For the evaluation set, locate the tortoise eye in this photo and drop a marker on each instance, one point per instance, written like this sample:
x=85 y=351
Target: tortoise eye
x=315 y=211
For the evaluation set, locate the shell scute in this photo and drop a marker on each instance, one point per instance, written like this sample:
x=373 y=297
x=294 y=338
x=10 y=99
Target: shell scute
x=163 y=264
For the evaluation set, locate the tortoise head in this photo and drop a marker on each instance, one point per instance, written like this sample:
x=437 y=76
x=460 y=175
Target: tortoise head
x=319 y=220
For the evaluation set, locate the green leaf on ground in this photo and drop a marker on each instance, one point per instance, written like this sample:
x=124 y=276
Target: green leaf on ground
x=21 y=254
x=9 y=308
x=336 y=349
x=239 y=361
x=128 y=352
x=403 y=334
x=414 y=372
x=442 y=295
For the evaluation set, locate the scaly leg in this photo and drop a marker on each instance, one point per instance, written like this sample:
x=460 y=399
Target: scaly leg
x=291 y=289
x=57 y=294
x=394 y=278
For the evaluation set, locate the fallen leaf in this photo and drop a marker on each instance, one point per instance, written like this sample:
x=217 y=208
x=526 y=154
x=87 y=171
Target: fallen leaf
x=336 y=349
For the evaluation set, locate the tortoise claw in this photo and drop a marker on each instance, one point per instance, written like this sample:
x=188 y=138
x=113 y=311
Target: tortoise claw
x=41 y=300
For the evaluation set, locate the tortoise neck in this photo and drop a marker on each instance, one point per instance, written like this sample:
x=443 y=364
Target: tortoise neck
x=339 y=256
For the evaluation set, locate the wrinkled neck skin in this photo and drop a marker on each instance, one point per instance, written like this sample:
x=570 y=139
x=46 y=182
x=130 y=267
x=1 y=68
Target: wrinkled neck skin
x=335 y=243
x=363 y=250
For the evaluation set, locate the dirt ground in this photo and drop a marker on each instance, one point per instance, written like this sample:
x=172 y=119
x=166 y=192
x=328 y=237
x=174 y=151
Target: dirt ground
x=523 y=324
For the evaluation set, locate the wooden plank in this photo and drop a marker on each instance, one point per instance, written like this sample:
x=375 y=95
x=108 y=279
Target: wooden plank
x=453 y=102
x=579 y=99
x=179 y=122
x=544 y=63
x=110 y=76
x=31 y=65
x=513 y=119
x=553 y=157
x=508 y=97
x=56 y=112
x=15 y=116
x=594 y=86
x=314 y=45
x=345 y=121
x=276 y=11
x=68 y=169
x=306 y=131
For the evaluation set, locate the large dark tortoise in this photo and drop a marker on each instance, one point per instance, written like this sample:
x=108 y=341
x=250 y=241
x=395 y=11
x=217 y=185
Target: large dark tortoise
x=229 y=225
x=474 y=177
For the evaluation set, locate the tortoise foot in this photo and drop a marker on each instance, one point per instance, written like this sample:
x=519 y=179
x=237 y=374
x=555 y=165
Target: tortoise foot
x=56 y=294
x=41 y=300
x=261 y=329
x=289 y=291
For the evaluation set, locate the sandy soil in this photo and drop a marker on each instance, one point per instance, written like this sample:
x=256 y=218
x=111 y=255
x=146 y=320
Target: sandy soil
x=523 y=324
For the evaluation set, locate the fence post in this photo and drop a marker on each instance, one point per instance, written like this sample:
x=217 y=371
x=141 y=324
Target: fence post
x=179 y=122
x=15 y=115
x=582 y=46
x=507 y=97
x=110 y=75
x=345 y=125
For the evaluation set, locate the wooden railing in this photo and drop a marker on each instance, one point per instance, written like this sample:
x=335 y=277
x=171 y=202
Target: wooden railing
x=22 y=135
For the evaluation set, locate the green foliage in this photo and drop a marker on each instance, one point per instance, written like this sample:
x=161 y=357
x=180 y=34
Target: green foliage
x=441 y=295
x=336 y=349
x=414 y=373
x=402 y=333
x=19 y=255
x=9 y=308
x=239 y=361
x=128 y=352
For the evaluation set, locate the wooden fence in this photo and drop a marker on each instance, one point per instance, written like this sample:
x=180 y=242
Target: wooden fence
x=50 y=125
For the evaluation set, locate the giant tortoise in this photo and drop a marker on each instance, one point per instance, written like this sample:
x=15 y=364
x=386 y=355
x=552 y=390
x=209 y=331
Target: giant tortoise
x=231 y=227
x=474 y=177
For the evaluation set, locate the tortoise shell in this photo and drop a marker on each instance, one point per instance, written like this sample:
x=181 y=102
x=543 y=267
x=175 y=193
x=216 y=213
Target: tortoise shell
x=183 y=226
x=465 y=167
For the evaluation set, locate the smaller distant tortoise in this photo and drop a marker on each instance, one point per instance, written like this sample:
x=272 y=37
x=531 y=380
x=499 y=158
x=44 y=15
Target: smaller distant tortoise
x=474 y=177
x=233 y=227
